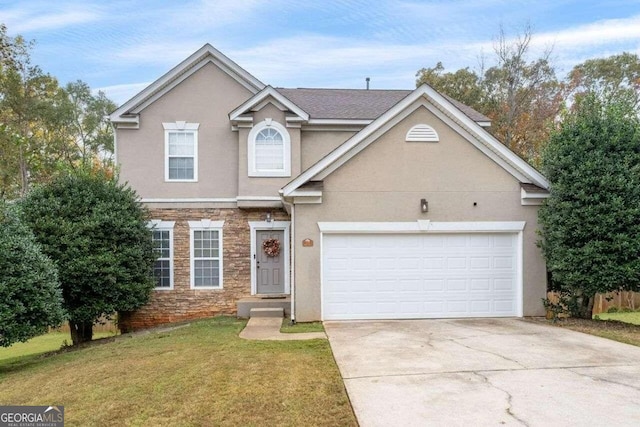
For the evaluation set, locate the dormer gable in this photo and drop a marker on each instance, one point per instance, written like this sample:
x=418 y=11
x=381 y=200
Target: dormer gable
x=243 y=114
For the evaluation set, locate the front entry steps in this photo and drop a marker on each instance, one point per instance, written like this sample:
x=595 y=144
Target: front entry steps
x=266 y=312
x=246 y=305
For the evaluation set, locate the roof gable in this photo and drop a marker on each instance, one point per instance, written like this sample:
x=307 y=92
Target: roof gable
x=257 y=100
x=127 y=114
x=446 y=111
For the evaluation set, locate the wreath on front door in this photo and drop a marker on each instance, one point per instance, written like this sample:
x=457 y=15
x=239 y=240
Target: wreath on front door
x=271 y=247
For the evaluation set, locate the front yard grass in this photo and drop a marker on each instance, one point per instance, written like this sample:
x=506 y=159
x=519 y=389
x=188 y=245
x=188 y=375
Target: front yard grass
x=628 y=333
x=287 y=327
x=201 y=374
x=38 y=345
x=628 y=317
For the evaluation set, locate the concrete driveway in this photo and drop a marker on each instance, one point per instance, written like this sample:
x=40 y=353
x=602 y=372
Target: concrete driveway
x=480 y=372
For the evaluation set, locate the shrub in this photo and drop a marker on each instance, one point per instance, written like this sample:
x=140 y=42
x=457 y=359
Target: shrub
x=96 y=231
x=30 y=295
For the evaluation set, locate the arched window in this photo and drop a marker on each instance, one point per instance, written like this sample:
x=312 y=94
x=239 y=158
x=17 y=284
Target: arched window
x=269 y=150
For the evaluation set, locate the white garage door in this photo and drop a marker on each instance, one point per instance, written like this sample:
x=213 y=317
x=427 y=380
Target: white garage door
x=408 y=276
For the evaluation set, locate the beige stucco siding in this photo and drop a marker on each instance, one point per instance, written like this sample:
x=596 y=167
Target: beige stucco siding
x=317 y=144
x=386 y=181
x=206 y=97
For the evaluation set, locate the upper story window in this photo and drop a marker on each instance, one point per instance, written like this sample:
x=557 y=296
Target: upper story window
x=269 y=150
x=181 y=151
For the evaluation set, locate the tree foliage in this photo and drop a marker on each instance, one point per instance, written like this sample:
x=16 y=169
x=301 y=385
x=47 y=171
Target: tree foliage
x=614 y=78
x=30 y=295
x=46 y=129
x=591 y=221
x=96 y=231
x=522 y=97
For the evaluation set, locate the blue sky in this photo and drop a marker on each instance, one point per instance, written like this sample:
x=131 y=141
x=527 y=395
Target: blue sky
x=121 y=46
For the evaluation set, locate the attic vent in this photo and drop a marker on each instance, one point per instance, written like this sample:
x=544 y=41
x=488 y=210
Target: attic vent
x=422 y=133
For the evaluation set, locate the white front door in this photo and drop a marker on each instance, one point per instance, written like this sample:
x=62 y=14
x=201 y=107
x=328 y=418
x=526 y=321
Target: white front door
x=406 y=276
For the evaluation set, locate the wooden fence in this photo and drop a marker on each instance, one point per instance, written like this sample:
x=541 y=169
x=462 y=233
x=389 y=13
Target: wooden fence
x=108 y=326
x=603 y=302
x=619 y=300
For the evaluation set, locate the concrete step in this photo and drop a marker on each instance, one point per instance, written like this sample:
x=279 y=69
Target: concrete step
x=246 y=304
x=267 y=312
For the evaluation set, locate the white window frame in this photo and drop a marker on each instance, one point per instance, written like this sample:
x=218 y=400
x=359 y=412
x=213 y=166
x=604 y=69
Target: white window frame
x=185 y=127
x=205 y=225
x=251 y=150
x=159 y=225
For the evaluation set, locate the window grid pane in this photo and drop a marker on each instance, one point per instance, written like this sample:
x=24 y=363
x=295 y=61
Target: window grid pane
x=181 y=168
x=269 y=150
x=206 y=254
x=162 y=266
x=181 y=155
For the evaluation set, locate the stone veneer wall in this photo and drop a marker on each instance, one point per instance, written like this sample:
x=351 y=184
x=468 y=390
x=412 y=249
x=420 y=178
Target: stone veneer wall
x=183 y=303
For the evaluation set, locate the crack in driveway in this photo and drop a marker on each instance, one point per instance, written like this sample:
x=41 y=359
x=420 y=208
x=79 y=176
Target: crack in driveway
x=509 y=409
x=467 y=371
x=604 y=380
x=485 y=378
x=455 y=341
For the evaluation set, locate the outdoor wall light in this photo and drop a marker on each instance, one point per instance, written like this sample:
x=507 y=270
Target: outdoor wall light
x=268 y=217
x=424 y=205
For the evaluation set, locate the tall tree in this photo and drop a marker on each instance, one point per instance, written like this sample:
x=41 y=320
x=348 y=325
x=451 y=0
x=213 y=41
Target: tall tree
x=591 y=221
x=26 y=97
x=612 y=78
x=96 y=231
x=91 y=132
x=522 y=97
x=463 y=85
x=46 y=129
x=525 y=95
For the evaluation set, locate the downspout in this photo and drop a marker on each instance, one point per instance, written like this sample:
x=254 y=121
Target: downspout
x=292 y=280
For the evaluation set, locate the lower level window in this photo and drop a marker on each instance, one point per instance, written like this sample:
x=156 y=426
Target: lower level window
x=206 y=254
x=162 y=235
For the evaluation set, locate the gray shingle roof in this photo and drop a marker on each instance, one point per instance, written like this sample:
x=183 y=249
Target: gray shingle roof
x=356 y=103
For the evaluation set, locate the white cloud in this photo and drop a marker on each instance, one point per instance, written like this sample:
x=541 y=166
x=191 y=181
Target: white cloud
x=595 y=34
x=122 y=93
x=32 y=17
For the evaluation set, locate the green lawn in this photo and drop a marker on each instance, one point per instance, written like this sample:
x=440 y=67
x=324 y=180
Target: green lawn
x=300 y=327
x=201 y=374
x=38 y=345
x=631 y=317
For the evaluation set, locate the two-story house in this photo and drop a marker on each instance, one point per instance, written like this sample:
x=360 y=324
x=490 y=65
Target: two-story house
x=337 y=203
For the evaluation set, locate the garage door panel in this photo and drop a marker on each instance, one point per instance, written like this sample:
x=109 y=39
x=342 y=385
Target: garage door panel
x=385 y=276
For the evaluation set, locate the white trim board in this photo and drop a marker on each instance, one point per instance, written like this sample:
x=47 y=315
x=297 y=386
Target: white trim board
x=272 y=225
x=422 y=226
